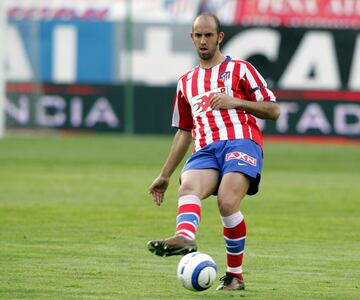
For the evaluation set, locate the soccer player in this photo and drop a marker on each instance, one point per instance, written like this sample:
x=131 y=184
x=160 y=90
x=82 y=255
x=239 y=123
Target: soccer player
x=215 y=106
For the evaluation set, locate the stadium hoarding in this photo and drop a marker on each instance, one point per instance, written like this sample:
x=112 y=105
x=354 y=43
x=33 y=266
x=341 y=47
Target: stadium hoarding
x=317 y=114
x=293 y=13
x=301 y=58
x=57 y=51
x=320 y=114
x=104 y=10
x=290 y=58
x=288 y=13
x=312 y=60
x=100 y=108
x=87 y=108
x=81 y=108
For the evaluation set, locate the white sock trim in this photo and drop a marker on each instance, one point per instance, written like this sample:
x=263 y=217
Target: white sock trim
x=239 y=253
x=189 y=199
x=232 y=220
x=237 y=270
x=186 y=233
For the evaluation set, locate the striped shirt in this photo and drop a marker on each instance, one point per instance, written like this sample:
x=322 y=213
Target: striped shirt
x=192 y=111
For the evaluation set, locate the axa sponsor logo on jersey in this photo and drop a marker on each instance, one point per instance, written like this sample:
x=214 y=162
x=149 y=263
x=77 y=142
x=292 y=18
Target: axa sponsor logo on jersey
x=241 y=156
x=201 y=102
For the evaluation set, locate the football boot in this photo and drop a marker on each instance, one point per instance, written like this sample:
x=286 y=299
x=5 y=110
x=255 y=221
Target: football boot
x=175 y=245
x=230 y=283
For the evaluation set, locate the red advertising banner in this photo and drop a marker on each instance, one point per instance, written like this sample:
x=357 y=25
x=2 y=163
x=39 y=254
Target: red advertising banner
x=299 y=13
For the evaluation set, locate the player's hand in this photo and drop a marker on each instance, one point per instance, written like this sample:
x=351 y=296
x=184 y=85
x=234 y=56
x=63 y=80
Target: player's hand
x=157 y=189
x=222 y=101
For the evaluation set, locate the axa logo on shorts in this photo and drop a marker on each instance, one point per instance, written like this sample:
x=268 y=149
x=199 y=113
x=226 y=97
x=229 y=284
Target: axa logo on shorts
x=241 y=156
x=201 y=102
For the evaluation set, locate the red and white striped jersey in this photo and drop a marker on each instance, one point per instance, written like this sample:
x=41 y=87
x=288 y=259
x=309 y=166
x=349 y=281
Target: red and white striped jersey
x=192 y=111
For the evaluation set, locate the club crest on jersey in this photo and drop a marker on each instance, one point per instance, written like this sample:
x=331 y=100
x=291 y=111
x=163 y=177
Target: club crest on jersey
x=241 y=156
x=224 y=76
x=201 y=103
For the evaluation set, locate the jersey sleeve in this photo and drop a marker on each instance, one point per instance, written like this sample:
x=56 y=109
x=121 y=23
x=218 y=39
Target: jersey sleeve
x=182 y=116
x=256 y=85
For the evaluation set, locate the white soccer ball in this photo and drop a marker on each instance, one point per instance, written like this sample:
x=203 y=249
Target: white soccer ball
x=196 y=271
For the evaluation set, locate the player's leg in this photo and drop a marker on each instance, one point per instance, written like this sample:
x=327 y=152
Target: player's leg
x=232 y=190
x=242 y=163
x=196 y=184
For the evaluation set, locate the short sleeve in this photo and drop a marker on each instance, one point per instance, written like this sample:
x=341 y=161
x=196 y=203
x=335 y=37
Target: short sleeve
x=182 y=116
x=256 y=85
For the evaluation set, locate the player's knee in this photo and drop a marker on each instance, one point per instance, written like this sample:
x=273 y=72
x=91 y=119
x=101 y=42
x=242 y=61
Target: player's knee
x=228 y=206
x=186 y=189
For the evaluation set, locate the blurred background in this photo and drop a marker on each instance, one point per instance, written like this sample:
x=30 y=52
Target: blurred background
x=75 y=213
x=112 y=65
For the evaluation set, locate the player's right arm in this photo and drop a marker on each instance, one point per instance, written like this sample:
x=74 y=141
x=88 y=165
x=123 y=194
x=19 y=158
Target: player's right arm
x=179 y=147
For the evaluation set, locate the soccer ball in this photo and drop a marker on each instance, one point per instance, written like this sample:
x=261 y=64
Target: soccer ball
x=196 y=271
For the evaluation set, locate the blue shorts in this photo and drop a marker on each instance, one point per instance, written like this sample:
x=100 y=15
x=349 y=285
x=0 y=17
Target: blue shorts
x=244 y=156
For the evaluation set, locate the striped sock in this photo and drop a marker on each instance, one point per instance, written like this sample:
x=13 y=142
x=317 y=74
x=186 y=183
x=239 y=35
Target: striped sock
x=234 y=235
x=188 y=216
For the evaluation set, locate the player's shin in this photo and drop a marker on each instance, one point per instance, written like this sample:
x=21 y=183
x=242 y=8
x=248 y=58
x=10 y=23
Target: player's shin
x=188 y=216
x=234 y=235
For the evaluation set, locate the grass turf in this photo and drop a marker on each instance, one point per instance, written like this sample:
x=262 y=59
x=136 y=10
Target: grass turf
x=75 y=217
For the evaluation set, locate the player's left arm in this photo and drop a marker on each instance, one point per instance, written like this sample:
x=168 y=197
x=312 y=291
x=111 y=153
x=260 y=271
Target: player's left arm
x=261 y=103
x=267 y=110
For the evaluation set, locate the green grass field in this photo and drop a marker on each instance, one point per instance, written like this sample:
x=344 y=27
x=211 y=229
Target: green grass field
x=75 y=216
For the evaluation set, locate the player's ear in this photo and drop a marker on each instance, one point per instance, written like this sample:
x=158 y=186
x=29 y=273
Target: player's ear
x=220 y=37
x=191 y=36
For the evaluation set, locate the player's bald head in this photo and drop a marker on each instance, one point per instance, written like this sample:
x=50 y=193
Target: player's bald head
x=207 y=17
